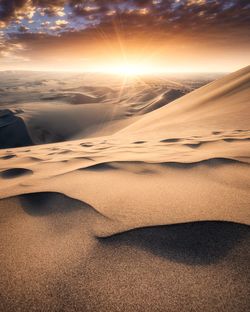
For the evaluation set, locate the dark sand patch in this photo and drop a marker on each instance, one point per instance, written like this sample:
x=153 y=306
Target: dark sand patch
x=195 y=145
x=196 y=243
x=139 y=142
x=15 y=173
x=13 y=132
x=100 y=167
x=46 y=203
x=216 y=132
x=8 y=156
x=174 y=140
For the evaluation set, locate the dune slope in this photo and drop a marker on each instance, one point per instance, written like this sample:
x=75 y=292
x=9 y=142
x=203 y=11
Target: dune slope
x=222 y=105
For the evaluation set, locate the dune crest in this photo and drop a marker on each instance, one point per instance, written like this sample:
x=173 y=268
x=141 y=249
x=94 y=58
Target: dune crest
x=221 y=105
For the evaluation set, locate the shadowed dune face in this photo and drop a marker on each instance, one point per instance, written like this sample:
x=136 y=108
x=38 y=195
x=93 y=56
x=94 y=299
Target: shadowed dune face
x=163 y=100
x=198 y=243
x=56 y=205
x=100 y=167
x=13 y=131
x=8 y=156
x=44 y=204
x=15 y=173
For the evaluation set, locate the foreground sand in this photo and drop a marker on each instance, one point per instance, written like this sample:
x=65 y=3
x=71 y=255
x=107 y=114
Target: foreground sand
x=52 y=262
x=120 y=223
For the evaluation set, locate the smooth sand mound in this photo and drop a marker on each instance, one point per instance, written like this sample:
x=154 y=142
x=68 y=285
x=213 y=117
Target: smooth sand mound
x=73 y=98
x=53 y=262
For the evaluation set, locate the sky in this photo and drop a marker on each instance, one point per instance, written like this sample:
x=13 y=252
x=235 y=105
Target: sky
x=133 y=35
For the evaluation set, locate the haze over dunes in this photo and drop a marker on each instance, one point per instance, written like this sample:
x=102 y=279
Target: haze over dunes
x=77 y=105
x=145 y=208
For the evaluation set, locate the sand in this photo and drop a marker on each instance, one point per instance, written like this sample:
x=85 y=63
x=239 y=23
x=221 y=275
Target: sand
x=152 y=215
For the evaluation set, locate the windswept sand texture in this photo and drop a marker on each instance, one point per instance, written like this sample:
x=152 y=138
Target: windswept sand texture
x=147 y=210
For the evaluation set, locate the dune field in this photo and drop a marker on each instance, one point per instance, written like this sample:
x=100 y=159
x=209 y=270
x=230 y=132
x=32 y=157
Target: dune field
x=124 y=194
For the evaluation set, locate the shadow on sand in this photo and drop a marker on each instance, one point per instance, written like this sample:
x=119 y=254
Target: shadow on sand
x=15 y=173
x=47 y=203
x=196 y=243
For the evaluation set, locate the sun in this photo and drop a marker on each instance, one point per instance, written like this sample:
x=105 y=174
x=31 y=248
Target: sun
x=130 y=69
x=127 y=69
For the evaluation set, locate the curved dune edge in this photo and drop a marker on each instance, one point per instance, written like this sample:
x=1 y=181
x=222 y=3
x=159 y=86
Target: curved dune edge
x=138 y=194
x=51 y=256
x=49 y=204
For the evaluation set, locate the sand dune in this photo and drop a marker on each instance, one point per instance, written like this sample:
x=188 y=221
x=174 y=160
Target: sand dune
x=163 y=100
x=152 y=216
x=73 y=98
x=89 y=105
x=219 y=106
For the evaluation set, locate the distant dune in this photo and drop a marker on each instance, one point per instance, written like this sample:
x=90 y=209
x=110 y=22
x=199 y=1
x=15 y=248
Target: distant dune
x=55 y=109
x=220 y=105
x=163 y=100
x=73 y=98
x=148 y=211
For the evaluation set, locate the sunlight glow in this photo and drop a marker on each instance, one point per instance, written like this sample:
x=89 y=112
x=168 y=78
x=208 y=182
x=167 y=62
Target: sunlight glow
x=128 y=69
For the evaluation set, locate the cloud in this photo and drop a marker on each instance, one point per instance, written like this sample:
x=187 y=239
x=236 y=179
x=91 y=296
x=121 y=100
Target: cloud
x=23 y=28
x=16 y=10
x=51 y=10
x=48 y=26
x=10 y=52
x=158 y=11
x=61 y=23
